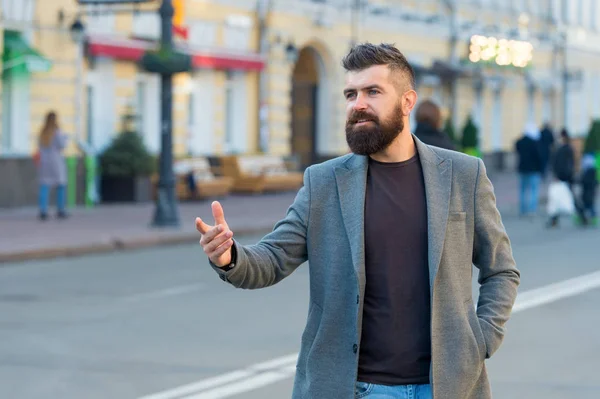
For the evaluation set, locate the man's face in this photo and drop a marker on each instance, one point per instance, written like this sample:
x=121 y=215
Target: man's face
x=374 y=109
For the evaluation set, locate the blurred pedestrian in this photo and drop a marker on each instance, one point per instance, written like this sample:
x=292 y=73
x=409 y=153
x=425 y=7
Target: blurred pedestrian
x=52 y=169
x=547 y=146
x=530 y=169
x=563 y=169
x=429 y=119
x=390 y=233
x=589 y=189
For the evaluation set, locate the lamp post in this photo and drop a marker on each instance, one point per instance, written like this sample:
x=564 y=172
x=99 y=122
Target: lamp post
x=77 y=31
x=166 y=212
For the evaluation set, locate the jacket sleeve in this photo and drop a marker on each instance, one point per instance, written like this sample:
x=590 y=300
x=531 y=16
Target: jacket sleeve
x=492 y=255
x=279 y=253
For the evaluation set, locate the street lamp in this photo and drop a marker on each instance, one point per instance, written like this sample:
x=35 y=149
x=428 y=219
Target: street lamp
x=77 y=31
x=291 y=53
x=78 y=34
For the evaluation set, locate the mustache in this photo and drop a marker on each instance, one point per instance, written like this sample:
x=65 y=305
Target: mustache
x=360 y=115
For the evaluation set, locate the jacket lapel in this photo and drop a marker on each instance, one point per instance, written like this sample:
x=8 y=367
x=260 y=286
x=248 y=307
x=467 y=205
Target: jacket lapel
x=437 y=173
x=351 y=180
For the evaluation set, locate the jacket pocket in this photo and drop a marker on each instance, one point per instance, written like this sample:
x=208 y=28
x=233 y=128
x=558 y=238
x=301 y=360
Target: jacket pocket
x=457 y=216
x=476 y=330
x=308 y=336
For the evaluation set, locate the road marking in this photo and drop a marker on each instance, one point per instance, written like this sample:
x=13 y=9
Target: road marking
x=244 y=375
x=554 y=292
x=249 y=384
x=179 y=290
x=271 y=371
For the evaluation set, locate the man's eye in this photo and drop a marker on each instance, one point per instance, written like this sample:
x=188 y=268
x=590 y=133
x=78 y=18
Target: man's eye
x=373 y=92
x=350 y=95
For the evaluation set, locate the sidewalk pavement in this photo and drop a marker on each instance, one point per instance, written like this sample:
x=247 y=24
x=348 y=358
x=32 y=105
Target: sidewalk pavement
x=127 y=226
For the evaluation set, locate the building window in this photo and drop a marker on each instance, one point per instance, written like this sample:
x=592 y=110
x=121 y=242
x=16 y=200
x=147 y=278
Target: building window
x=6 y=114
x=90 y=114
x=191 y=123
x=236 y=112
x=139 y=112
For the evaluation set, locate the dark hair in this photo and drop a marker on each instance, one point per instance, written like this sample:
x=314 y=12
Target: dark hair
x=429 y=113
x=564 y=133
x=366 y=55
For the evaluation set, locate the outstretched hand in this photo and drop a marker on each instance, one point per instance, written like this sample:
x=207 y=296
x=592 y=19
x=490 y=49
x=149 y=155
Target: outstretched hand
x=216 y=240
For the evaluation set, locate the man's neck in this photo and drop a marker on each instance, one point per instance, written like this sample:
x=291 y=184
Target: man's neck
x=402 y=149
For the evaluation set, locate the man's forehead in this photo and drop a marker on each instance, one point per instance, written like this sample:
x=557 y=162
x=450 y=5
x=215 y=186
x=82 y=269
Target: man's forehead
x=377 y=74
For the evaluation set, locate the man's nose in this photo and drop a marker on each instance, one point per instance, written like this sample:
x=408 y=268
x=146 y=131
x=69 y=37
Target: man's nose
x=360 y=104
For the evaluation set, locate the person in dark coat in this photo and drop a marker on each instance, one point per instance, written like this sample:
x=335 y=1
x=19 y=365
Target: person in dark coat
x=530 y=169
x=563 y=160
x=563 y=168
x=428 y=130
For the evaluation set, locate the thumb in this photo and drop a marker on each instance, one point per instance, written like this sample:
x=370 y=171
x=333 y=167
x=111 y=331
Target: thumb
x=218 y=213
x=201 y=226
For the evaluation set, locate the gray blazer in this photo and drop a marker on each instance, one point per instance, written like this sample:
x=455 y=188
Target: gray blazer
x=324 y=225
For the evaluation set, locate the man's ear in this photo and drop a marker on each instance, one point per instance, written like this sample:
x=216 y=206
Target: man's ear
x=409 y=100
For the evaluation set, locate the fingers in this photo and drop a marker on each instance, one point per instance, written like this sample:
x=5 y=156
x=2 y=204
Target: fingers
x=211 y=246
x=218 y=213
x=202 y=227
x=211 y=234
x=221 y=250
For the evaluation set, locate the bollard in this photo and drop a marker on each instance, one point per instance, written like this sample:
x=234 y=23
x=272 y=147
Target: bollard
x=71 y=181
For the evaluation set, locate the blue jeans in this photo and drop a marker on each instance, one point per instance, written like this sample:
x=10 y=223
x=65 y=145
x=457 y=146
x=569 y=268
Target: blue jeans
x=45 y=194
x=374 y=391
x=529 y=193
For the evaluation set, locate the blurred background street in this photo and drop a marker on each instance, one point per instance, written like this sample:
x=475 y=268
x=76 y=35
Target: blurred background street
x=123 y=119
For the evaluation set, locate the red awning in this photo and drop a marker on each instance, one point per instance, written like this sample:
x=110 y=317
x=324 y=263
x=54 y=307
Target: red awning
x=133 y=50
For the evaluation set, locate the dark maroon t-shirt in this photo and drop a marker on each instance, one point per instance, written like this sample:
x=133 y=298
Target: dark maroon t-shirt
x=396 y=338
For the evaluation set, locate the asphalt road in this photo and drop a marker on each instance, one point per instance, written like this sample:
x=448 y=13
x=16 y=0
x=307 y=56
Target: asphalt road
x=128 y=325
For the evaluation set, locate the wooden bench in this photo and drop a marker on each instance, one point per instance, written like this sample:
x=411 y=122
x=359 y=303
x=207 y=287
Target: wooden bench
x=260 y=173
x=207 y=184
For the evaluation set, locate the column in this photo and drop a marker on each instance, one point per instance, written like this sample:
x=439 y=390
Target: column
x=547 y=116
x=531 y=89
x=496 y=85
x=477 y=112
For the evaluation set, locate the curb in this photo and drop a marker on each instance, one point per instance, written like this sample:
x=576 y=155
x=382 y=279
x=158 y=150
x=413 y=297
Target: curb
x=128 y=244
x=114 y=245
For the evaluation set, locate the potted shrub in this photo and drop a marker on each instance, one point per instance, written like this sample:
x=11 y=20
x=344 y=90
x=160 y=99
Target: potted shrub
x=470 y=139
x=126 y=167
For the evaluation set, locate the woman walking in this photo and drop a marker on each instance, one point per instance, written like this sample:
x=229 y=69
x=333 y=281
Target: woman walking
x=52 y=170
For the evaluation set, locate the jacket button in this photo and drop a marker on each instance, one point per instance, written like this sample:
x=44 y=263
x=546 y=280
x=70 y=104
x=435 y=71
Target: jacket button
x=357 y=299
x=354 y=348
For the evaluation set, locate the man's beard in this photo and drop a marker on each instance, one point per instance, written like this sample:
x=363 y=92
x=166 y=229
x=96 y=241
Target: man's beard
x=374 y=137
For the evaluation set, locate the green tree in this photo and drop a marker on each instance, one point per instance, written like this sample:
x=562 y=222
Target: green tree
x=592 y=141
x=470 y=139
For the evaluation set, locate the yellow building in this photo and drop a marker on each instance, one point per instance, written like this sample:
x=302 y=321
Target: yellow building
x=289 y=100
